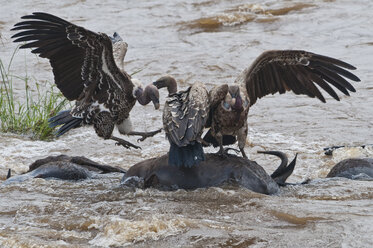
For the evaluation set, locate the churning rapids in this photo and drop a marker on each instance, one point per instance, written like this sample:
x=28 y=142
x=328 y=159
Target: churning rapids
x=211 y=42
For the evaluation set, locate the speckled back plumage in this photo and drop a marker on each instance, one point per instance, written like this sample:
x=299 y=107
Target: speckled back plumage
x=185 y=114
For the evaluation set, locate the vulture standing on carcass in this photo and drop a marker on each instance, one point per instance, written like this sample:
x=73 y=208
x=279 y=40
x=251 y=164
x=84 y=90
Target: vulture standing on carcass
x=273 y=71
x=85 y=70
x=184 y=117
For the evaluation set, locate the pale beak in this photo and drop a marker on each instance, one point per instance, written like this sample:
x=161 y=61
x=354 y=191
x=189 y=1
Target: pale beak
x=156 y=105
x=233 y=101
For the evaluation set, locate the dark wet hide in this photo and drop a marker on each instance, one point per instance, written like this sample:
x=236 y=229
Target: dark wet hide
x=214 y=171
x=353 y=168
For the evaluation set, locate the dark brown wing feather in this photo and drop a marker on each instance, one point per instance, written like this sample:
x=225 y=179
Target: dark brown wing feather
x=216 y=95
x=297 y=71
x=75 y=53
x=185 y=115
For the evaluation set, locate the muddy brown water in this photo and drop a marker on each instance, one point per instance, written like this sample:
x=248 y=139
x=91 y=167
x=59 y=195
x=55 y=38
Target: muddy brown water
x=211 y=42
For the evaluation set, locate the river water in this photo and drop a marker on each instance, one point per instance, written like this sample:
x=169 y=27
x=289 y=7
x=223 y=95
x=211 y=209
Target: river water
x=211 y=42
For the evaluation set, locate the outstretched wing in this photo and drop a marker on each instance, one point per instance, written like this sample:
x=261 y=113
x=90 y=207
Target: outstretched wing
x=299 y=71
x=185 y=115
x=82 y=60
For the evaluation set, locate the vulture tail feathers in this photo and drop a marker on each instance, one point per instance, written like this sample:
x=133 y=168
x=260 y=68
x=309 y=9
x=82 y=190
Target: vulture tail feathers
x=185 y=156
x=66 y=119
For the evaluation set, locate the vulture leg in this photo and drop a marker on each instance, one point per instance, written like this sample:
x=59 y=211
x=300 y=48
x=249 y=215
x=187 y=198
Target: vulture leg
x=222 y=152
x=241 y=137
x=124 y=143
x=144 y=135
x=243 y=153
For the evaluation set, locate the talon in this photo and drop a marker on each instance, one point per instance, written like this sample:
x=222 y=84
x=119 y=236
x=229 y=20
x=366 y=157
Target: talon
x=121 y=144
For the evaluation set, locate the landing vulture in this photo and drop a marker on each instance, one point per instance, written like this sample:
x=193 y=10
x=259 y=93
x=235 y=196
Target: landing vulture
x=85 y=70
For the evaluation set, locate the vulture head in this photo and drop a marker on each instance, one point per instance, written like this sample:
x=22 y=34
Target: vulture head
x=119 y=49
x=166 y=81
x=235 y=99
x=144 y=97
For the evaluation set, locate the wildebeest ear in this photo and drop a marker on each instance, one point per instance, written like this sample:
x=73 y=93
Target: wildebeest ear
x=151 y=181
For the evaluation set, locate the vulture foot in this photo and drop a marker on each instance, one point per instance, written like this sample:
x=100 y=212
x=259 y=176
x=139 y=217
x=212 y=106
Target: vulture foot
x=126 y=144
x=145 y=135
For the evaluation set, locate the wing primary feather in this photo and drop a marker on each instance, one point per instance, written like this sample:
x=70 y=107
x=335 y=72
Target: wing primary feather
x=332 y=82
x=336 y=69
x=330 y=60
x=46 y=17
x=46 y=37
x=321 y=82
x=37 y=23
x=336 y=78
x=43 y=32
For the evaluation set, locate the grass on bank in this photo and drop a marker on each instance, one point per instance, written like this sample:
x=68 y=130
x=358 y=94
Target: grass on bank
x=29 y=116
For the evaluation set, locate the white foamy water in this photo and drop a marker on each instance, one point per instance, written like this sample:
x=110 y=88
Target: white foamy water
x=211 y=42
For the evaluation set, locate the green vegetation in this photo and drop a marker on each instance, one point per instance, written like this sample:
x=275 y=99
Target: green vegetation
x=29 y=116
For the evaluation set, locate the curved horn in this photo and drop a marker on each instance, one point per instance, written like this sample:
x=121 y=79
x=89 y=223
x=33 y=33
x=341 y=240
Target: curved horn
x=283 y=171
x=281 y=155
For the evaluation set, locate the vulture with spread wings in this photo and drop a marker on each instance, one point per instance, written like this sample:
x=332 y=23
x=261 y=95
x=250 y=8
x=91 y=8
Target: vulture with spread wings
x=184 y=116
x=273 y=71
x=85 y=70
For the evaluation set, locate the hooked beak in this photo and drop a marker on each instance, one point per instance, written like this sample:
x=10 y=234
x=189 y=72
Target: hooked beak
x=115 y=38
x=158 y=84
x=156 y=105
x=233 y=101
x=237 y=103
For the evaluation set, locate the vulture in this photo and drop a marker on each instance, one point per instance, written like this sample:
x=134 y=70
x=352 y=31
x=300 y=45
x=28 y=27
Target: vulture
x=273 y=71
x=87 y=68
x=184 y=116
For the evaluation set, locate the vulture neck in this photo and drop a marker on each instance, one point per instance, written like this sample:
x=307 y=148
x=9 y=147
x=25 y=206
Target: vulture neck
x=143 y=96
x=171 y=85
x=119 y=52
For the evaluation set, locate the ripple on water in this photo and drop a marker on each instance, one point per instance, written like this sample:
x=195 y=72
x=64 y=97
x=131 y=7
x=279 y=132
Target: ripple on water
x=240 y=15
x=117 y=231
